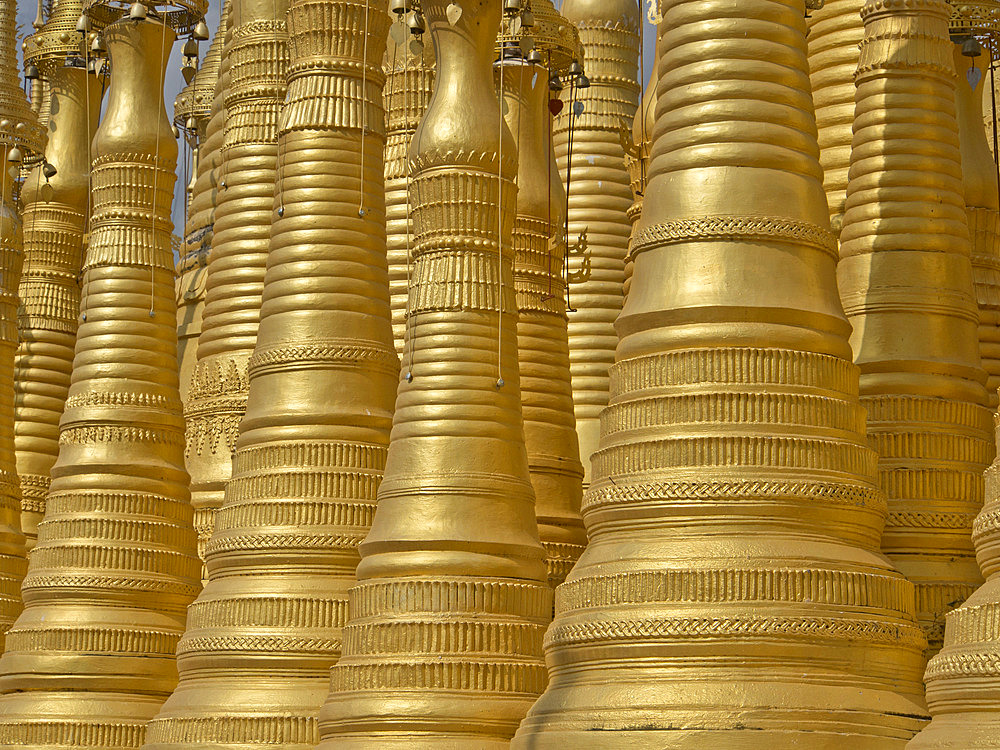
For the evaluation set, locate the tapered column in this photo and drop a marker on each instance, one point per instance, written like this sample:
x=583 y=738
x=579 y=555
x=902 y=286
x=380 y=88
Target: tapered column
x=92 y=657
x=906 y=282
x=55 y=219
x=409 y=66
x=732 y=594
x=20 y=135
x=206 y=105
x=543 y=350
x=637 y=162
x=216 y=401
x=599 y=198
x=982 y=209
x=261 y=638
x=963 y=680
x=835 y=31
x=443 y=648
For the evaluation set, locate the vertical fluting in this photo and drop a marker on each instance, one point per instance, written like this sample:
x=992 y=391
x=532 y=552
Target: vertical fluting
x=92 y=656
x=216 y=400
x=20 y=136
x=409 y=67
x=835 y=31
x=207 y=109
x=599 y=199
x=543 y=351
x=443 y=647
x=906 y=283
x=963 y=678
x=733 y=593
x=262 y=636
x=982 y=210
x=55 y=221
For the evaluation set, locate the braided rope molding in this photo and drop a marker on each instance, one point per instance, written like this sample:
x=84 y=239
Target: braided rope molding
x=863 y=497
x=110 y=582
x=34 y=491
x=324 y=544
x=783 y=628
x=735 y=229
x=263 y=644
x=951 y=664
x=328 y=354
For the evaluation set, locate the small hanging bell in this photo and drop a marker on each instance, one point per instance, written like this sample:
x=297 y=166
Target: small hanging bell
x=512 y=7
x=31 y=72
x=14 y=156
x=583 y=82
x=554 y=83
x=971 y=47
x=416 y=23
x=83 y=24
x=527 y=19
x=534 y=57
x=190 y=48
x=201 y=31
x=575 y=69
x=48 y=170
x=190 y=123
x=399 y=7
x=97 y=46
x=137 y=12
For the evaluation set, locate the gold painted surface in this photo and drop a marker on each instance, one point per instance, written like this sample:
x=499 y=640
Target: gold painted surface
x=637 y=162
x=409 y=68
x=599 y=199
x=543 y=349
x=255 y=660
x=443 y=649
x=733 y=593
x=205 y=103
x=979 y=176
x=55 y=221
x=19 y=129
x=92 y=656
x=216 y=400
x=835 y=32
x=907 y=289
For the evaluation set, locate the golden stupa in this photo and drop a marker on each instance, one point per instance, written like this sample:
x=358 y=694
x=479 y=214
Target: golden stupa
x=502 y=412
x=56 y=214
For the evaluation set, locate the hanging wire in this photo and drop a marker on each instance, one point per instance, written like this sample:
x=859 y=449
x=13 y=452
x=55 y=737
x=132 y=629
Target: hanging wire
x=993 y=106
x=90 y=170
x=500 y=124
x=364 y=112
x=404 y=89
x=569 y=182
x=156 y=166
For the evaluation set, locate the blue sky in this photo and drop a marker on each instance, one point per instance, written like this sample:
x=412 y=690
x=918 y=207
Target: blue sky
x=174 y=83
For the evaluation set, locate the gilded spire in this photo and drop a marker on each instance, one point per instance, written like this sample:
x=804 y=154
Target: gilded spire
x=216 y=400
x=979 y=177
x=205 y=104
x=906 y=283
x=732 y=593
x=444 y=642
x=539 y=247
x=835 y=31
x=409 y=67
x=57 y=208
x=20 y=135
x=92 y=656
x=599 y=197
x=255 y=661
